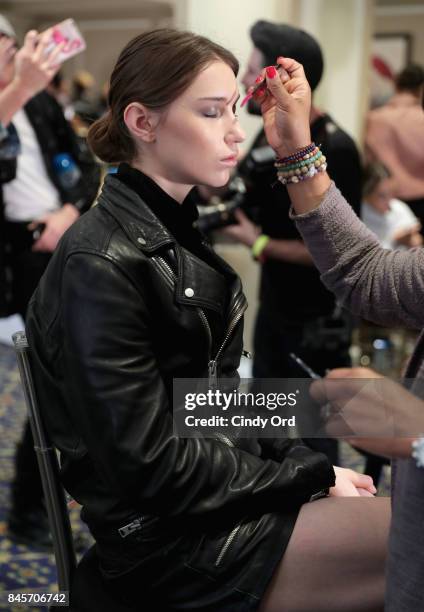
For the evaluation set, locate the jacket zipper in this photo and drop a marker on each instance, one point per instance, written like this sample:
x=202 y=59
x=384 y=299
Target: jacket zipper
x=212 y=366
x=212 y=369
x=231 y=537
x=238 y=313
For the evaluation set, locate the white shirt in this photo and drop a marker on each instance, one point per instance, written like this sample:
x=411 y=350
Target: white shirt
x=388 y=225
x=31 y=194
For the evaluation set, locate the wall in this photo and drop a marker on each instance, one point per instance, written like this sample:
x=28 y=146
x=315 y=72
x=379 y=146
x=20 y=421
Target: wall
x=403 y=19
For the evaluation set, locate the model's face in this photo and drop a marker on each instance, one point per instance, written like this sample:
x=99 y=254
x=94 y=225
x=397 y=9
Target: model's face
x=197 y=137
x=380 y=197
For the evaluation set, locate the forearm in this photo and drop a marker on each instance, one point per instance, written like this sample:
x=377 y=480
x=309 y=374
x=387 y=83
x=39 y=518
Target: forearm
x=366 y=278
x=12 y=99
x=308 y=195
x=290 y=251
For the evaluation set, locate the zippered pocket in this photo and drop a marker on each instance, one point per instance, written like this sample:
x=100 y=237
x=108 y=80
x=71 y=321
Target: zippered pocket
x=233 y=535
x=227 y=544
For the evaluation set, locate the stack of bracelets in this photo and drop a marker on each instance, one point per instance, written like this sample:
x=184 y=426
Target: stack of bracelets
x=302 y=165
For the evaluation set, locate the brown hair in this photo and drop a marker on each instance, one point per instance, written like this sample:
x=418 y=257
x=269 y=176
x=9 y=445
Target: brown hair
x=372 y=175
x=154 y=69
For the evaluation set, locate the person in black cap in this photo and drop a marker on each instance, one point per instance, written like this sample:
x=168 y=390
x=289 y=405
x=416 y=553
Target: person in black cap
x=297 y=314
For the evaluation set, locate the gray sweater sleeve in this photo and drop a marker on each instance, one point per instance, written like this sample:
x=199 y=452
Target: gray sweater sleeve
x=381 y=285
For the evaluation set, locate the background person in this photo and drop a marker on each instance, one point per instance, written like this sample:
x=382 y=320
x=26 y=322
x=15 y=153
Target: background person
x=36 y=207
x=394 y=135
x=390 y=219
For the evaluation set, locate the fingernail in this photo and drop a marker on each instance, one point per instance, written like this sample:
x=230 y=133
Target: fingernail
x=271 y=72
x=258 y=79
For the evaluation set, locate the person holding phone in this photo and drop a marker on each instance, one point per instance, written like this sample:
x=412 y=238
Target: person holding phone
x=35 y=211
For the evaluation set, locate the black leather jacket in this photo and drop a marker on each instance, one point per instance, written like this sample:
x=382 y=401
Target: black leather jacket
x=110 y=326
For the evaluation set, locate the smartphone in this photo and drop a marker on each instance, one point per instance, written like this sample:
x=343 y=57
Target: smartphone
x=305 y=367
x=66 y=31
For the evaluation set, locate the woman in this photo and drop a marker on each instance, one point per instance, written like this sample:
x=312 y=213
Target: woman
x=386 y=288
x=135 y=298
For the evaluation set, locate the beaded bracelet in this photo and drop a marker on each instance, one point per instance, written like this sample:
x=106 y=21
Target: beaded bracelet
x=303 y=164
x=297 y=155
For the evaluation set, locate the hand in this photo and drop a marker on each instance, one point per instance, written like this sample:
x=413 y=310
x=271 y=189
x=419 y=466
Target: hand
x=285 y=107
x=56 y=225
x=371 y=411
x=352 y=484
x=7 y=50
x=34 y=69
x=244 y=231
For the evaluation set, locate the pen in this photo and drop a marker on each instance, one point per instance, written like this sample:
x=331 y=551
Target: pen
x=305 y=367
x=256 y=87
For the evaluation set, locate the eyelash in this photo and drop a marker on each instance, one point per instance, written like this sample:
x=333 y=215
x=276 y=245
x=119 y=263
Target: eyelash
x=216 y=116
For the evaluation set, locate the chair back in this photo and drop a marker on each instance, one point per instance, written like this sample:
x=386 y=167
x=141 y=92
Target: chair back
x=54 y=493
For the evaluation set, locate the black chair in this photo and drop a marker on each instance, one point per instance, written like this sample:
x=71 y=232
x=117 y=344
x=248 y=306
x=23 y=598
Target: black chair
x=83 y=581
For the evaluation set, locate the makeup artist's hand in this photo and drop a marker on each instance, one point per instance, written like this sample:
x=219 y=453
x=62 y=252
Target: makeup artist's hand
x=286 y=107
x=382 y=415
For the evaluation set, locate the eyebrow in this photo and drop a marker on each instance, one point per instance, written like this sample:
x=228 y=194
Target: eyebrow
x=220 y=98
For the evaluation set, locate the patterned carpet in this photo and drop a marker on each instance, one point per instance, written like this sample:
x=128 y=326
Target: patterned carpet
x=20 y=567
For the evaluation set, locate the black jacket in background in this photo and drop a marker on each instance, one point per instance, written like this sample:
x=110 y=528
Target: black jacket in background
x=55 y=135
x=293 y=293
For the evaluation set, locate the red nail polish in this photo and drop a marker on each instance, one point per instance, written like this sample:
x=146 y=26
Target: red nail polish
x=258 y=79
x=271 y=72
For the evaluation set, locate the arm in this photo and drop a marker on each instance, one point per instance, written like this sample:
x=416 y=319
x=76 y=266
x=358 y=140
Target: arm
x=116 y=391
x=246 y=232
x=33 y=72
x=377 y=284
x=292 y=251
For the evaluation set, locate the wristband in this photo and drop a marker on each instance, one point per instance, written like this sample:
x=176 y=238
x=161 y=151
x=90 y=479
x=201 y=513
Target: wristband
x=259 y=245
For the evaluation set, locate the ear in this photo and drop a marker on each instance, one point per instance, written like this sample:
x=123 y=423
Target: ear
x=141 y=121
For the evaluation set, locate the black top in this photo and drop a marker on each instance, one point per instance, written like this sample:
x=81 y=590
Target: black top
x=177 y=218
x=291 y=292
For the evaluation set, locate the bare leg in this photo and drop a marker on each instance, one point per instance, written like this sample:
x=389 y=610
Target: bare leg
x=335 y=559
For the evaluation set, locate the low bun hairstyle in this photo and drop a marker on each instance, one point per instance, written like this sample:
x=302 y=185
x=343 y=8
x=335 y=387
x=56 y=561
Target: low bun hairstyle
x=154 y=69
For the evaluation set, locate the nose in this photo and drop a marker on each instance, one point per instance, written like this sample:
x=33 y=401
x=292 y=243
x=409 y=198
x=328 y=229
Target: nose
x=235 y=135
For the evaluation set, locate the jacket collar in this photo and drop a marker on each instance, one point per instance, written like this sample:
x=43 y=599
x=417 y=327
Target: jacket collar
x=149 y=235
x=138 y=222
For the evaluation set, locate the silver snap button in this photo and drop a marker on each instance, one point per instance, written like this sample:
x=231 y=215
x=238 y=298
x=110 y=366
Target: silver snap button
x=189 y=292
x=141 y=240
